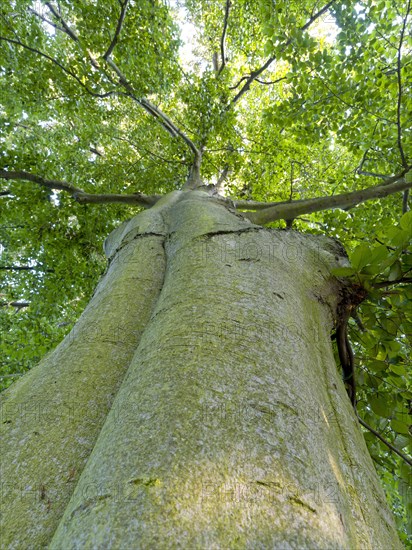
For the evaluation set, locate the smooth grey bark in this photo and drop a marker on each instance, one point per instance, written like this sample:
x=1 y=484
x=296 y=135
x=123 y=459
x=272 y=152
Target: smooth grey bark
x=232 y=427
x=51 y=417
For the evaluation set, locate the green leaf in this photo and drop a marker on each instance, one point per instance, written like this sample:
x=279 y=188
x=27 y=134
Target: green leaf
x=382 y=407
x=406 y=221
x=360 y=257
x=395 y=271
x=400 y=427
x=398 y=369
x=343 y=271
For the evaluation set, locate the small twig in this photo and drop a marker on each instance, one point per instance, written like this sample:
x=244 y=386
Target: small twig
x=95 y=151
x=384 y=441
x=223 y=37
x=239 y=83
x=118 y=29
x=372 y=174
x=267 y=83
x=154 y=155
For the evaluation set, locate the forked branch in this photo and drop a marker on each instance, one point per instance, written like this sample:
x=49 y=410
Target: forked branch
x=257 y=72
x=164 y=120
x=122 y=80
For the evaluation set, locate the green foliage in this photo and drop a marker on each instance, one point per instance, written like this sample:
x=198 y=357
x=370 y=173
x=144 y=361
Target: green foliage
x=335 y=119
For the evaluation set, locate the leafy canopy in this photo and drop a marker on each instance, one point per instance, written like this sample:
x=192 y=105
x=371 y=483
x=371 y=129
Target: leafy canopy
x=279 y=101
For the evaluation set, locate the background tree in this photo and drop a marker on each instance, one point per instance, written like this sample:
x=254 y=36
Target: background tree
x=299 y=112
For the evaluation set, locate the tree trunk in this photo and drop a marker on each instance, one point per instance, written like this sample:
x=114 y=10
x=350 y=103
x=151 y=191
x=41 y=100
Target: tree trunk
x=231 y=427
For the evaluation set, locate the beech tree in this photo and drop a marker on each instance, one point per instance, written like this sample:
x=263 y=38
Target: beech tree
x=239 y=376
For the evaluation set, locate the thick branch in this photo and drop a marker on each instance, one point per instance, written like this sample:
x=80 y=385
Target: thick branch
x=137 y=198
x=51 y=184
x=253 y=205
x=222 y=178
x=78 y=194
x=118 y=29
x=254 y=74
x=223 y=37
x=290 y=210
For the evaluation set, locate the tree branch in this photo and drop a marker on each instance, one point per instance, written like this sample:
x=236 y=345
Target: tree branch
x=289 y=210
x=25 y=268
x=405 y=202
x=138 y=199
x=384 y=284
x=194 y=178
x=40 y=16
x=267 y=83
x=384 y=441
x=359 y=170
x=18 y=305
x=50 y=184
x=254 y=74
x=53 y=60
x=372 y=174
x=78 y=194
x=400 y=91
x=118 y=29
x=167 y=123
x=223 y=37
x=66 y=27
x=253 y=205
x=222 y=178
x=70 y=32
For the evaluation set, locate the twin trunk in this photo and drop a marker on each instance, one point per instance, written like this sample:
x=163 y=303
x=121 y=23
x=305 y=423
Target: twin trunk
x=196 y=403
